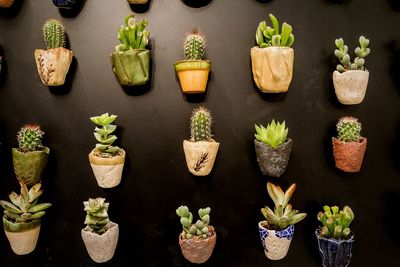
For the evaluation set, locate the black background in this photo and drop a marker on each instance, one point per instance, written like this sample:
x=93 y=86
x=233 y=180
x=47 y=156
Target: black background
x=153 y=122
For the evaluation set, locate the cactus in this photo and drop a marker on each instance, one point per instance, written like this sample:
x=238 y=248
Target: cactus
x=30 y=138
x=361 y=52
x=200 y=228
x=54 y=34
x=104 y=134
x=349 y=129
x=274 y=135
x=133 y=35
x=283 y=214
x=201 y=124
x=24 y=207
x=96 y=214
x=267 y=36
x=336 y=223
x=195 y=46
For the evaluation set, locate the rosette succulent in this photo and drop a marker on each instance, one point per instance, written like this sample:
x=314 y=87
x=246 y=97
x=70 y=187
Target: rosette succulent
x=96 y=214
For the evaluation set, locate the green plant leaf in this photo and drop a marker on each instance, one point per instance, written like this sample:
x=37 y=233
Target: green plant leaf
x=275 y=23
x=39 y=207
x=10 y=207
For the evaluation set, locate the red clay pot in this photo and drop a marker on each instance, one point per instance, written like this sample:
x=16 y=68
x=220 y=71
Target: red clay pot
x=349 y=155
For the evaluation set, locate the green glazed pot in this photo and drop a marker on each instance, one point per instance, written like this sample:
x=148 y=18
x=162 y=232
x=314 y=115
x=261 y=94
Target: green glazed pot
x=132 y=67
x=29 y=166
x=19 y=227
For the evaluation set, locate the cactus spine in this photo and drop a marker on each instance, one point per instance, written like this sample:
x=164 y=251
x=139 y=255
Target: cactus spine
x=361 y=52
x=54 y=34
x=201 y=123
x=336 y=223
x=349 y=129
x=195 y=46
x=200 y=228
x=30 y=138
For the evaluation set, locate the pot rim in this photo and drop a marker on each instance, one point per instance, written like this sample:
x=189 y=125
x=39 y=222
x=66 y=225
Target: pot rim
x=45 y=150
x=273 y=47
x=199 y=240
x=178 y=64
x=129 y=51
x=90 y=231
x=208 y=141
x=363 y=140
x=30 y=225
x=265 y=221
x=288 y=140
x=334 y=240
x=350 y=71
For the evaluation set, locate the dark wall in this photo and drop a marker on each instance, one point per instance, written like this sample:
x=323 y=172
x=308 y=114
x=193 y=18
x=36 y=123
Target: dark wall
x=153 y=122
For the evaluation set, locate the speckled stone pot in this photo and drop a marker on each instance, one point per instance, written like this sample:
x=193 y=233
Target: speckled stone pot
x=334 y=252
x=200 y=156
x=198 y=250
x=350 y=86
x=276 y=243
x=349 y=155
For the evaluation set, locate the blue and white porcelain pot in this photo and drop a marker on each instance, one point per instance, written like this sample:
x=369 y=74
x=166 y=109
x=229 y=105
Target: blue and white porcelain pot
x=65 y=3
x=276 y=243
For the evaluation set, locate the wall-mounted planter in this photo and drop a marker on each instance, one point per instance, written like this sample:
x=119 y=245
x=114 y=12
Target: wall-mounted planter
x=276 y=243
x=67 y=4
x=349 y=155
x=273 y=161
x=350 y=86
x=138 y=2
x=200 y=156
x=22 y=236
x=198 y=250
x=6 y=3
x=193 y=75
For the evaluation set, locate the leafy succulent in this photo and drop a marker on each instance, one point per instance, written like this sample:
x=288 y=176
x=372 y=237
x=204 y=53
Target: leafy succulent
x=267 y=36
x=30 y=138
x=200 y=228
x=274 y=135
x=201 y=124
x=133 y=35
x=361 y=52
x=349 y=129
x=96 y=214
x=104 y=134
x=335 y=222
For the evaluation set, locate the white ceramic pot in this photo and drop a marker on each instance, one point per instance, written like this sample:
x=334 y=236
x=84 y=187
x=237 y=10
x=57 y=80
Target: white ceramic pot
x=200 y=156
x=350 y=86
x=276 y=243
x=24 y=242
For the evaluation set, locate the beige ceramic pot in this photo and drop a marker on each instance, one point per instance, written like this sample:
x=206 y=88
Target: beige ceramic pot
x=276 y=243
x=349 y=156
x=6 y=3
x=23 y=237
x=200 y=156
x=198 y=250
x=350 y=86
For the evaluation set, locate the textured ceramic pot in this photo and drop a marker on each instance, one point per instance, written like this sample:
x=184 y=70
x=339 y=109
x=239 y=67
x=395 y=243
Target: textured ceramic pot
x=108 y=171
x=138 y=2
x=350 y=86
x=272 y=68
x=6 y=3
x=200 y=156
x=334 y=252
x=67 y=4
x=273 y=161
x=101 y=248
x=22 y=236
x=198 y=250
x=193 y=75
x=53 y=65
x=349 y=155
x=29 y=166
x=132 y=68
x=276 y=243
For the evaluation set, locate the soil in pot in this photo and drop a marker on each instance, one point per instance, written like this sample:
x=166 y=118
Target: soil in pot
x=193 y=75
x=196 y=249
x=200 y=156
x=276 y=242
x=23 y=237
x=350 y=86
x=349 y=155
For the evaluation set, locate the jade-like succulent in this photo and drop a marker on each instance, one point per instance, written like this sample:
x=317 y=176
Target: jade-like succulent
x=335 y=222
x=267 y=36
x=96 y=214
x=200 y=228
x=24 y=207
x=283 y=215
x=349 y=129
x=104 y=134
x=54 y=34
x=30 y=138
x=201 y=124
x=133 y=35
x=195 y=46
x=361 y=52
x=274 y=135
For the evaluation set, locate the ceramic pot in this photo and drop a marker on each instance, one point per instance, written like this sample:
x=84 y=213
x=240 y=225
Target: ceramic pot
x=67 y=4
x=273 y=161
x=53 y=65
x=108 y=171
x=6 y=3
x=29 y=166
x=349 y=155
x=132 y=68
x=276 y=243
x=22 y=236
x=101 y=248
x=350 y=86
x=198 y=250
x=334 y=252
x=193 y=75
x=200 y=156
x=272 y=68
x=138 y=2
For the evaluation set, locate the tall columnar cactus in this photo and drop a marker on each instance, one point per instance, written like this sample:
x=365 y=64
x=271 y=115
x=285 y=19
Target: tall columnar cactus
x=200 y=228
x=104 y=134
x=54 y=34
x=267 y=36
x=96 y=214
x=201 y=124
x=133 y=35
x=195 y=46
x=30 y=138
x=336 y=222
x=349 y=129
x=361 y=52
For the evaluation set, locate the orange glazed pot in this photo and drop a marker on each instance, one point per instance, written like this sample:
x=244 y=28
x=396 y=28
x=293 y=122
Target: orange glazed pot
x=193 y=75
x=349 y=155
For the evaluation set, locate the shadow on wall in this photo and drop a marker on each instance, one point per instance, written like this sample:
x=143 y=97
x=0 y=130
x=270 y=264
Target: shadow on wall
x=337 y=1
x=140 y=8
x=264 y=1
x=391 y=200
x=394 y=148
x=196 y=3
x=395 y=4
x=394 y=68
x=13 y=10
x=311 y=225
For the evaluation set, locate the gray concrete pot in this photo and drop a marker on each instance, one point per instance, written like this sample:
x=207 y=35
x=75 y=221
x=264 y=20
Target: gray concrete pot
x=350 y=86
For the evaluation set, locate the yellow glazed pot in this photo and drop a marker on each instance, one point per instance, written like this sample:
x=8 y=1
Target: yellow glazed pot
x=193 y=75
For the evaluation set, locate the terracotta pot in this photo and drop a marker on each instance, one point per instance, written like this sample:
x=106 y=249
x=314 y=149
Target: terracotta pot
x=22 y=236
x=132 y=68
x=273 y=161
x=349 y=155
x=193 y=75
x=29 y=166
x=108 y=171
x=272 y=68
x=350 y=86
x=140 y=2
x=53 y=65
x=6 y=3
x=198 y=250
x=67 y=4
x=200 y=156
x=101 y=248
x=276 y=243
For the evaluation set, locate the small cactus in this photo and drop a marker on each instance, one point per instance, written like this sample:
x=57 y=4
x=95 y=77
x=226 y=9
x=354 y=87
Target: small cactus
x=349 y=129
x=133 y=35
x=54 y=34
x=96 y=214
x=336 y=222
x=201 y=124
x=195 y=46
x=267 y=36
x=200 y=228
x=30 y=138
x=361 y=52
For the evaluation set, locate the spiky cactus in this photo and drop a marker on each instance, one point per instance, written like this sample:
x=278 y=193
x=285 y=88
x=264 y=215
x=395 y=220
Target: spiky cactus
x=200 y=228
x=336 y=222
x=104 y=134
x=361 y=52
x=201 y=124
x=54 y=34
x=30 y=138
x=349 y=129
x=275 y=134
x=267 y=36
x=96 y=214
x=195 y=46
x=133 y=35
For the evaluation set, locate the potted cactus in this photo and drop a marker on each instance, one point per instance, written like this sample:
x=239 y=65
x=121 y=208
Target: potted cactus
x=67 y=4
x=194 y=70
x=6 y=3
x=31 y=156
x=21 y=220
x=351 y=79
x=53 y=64
x=349 y=147
x=197 y=241
x=100 y=235
x=273 y=148
x=335 y=239
x=200 y=150
x=107 y=161
x=277 y=231
x=272 y=60
x=131 y=61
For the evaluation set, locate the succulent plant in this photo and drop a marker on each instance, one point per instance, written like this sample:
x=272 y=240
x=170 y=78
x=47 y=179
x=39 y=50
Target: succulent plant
x=30 y=138
x=274 y=135
x=104 y=134
x=267 y=36
x=283 y=215
x=54 y=34
x=201 y=124
x=24 y=207
x=200 y=228
x=195 y=46
x=361 y=52
x=96 y=214
x=133 y=35
x=349 y=129
x=335 y=222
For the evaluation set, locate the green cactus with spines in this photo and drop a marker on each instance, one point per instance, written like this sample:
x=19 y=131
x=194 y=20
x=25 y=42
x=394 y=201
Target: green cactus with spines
x=195 y=46
x=133 y=35
x=345 y=61
x=201 y=124
x=30 y=138
x=335 y=222
x=349 y=129
x=104 y=134
x=200 y=228
x=272 y=36
x=54 y=34
x=96 y=214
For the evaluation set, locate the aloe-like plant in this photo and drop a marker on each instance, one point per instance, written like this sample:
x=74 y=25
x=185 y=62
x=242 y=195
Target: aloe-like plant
x=345 y=61
x=133 y=35
x=275 y=134
x=200 y=228
x=272 y=36
x=104 y=134
x=335 y=222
